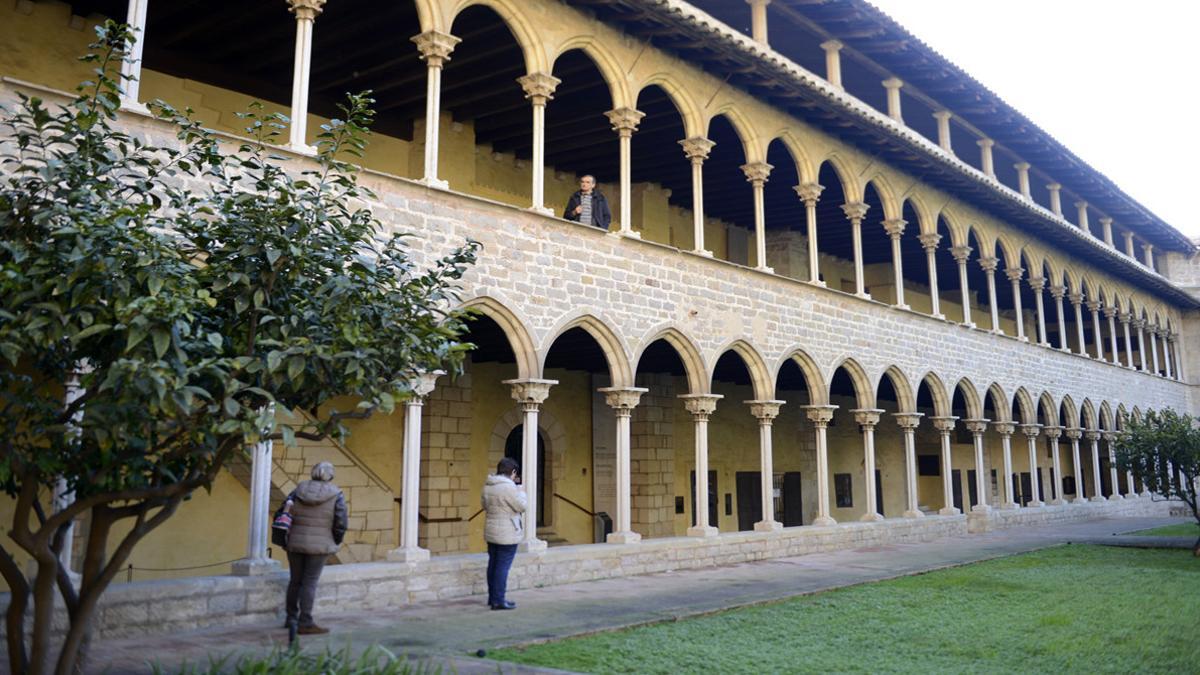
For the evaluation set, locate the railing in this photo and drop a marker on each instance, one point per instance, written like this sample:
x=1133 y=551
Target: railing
x=426 y=519
x=601 y=522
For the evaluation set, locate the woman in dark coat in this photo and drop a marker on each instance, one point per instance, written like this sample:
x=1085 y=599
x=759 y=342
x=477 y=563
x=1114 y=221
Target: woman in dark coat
x=319 y=520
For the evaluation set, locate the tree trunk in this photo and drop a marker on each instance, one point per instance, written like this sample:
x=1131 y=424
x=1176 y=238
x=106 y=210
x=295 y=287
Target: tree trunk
x=14 y=616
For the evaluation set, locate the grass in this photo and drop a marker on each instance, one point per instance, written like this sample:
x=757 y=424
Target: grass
x=1178 y=530
x=1065 y=609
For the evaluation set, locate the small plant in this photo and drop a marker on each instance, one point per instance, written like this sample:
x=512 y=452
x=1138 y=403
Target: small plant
x=1162 y=449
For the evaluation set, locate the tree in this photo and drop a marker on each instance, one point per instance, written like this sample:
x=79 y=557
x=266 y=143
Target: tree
x=161 y=308
x=1159 y=449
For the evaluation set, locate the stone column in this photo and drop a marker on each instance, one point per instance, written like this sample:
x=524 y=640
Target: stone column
x=1110 y=313
x=766 y=412
x=256 y=561
x=131 y=66
x=1006 y=429
x=893 y=84
x=1173 y=367
x=1125 y=318
x=696 y=149
x=989 y=265
x=1106 y=228
x=833 y=62
x=985 y=157
x=756 y=174
x=1130 y=487
x=1074 y=434
x=625 y=121
x=929 y=242
x=820 y=415
x=855 y=212
x=1058 y=292
x=943 y=129
x=1053 y=433
x=1094 y=307
x=961 y=255
x=1055 y=198
x=758 y=20
x=701 y=406
x=1014 y=275
x=539 y=89
x=1153 y=330
x=1031 y=432
x=1139 y=324
x=410 y=469
x=1077 y=303
x=895 y=229
x=623 y=401
x=867 y=418
x=1111 y=439
x=810 y=193
x=1148 y=255
x=1082 y=216
x=1037 y=284
x=977 y=427
x=306 y=12
x=530 y=394
x=1166 y=354
x=1094 y=438
x=908 y=425
x=1023 y=179
x=1129 y=245
x=945 y=425
x=63 y=496
x=435 y=48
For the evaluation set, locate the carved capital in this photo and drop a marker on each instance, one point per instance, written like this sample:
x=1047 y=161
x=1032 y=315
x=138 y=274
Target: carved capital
x=1053 y=187
x=697 y=148
x=908 y=421
x=1037 y=283
x=422 y=384
x=1075 y=298
x=1031 y=430
x=893 y=83
x=855 y=210
x=1105 y=221
x=530 y=393
x=539 y=87
x=1093 y=305
x=929 y=240
x=1110 y=312
x=1110 y=436
x=1053 y=433
x=1136 y=323
x=867 y=417
x=1074 y=433
x=894 y=227
x=809 y=192
x=757 y=172
x=701 y=406
x=944 y=424
x=985 y=143
x=976 y=426
x=1021 y=166
x=961 y=253
x=819 y=414
x=765 y=411
x=1058 y=292
x=1005 y=428
x=622 y=399
x=624 y=121
x=435 y=47
x=989 y=263
x=1081 y=204
x=1014 y=273
x=1091 y=435
x=306 y=10
x=832 y=45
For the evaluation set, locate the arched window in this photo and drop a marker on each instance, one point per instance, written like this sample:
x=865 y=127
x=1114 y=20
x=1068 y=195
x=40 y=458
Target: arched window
x=512 y=450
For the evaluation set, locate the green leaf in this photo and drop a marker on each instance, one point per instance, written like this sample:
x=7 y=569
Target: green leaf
x=295 y=367
x=90 y=331
x=162 y=341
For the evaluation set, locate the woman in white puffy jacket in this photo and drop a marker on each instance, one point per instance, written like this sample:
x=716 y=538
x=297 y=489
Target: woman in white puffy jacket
x=504 y=501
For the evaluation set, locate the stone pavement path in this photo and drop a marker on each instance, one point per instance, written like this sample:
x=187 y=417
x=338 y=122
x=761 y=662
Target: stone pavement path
x=446 y=632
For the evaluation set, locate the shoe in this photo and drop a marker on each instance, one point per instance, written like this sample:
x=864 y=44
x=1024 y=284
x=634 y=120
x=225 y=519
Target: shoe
x=508 y=604
x=312 y=629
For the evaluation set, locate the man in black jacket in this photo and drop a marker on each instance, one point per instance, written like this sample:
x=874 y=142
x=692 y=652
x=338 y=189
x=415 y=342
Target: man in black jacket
x=588 y=205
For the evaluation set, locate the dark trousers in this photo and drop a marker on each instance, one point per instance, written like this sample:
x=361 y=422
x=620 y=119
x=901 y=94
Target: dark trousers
x=500 y=559
x=305 y=571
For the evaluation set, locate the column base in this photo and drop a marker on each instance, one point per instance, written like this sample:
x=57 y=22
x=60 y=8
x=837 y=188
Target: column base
x=768 y=526
x=408 y=555
x=435 y=183
x=1097 y=499
x=913 y=514
x=532 y=546
x=706 y=531
x=543 y=210
x=1023 y=338
x=1035 y=503
x=1080 y=500
x=628 y=234
x=968 y=324
x=253 y=567
x=305 y=149
x=981 y=508
x=1009 y=506
x=902 y=306
x=764 y=268
x=623 y=538
x=823 y=521
x=134 y=107
x=948 y=511
x=1115 y=497
x=701 y=252
x=1056 y=502
x=864 y=296
x=1046 y=345
x=939 y=316
x=870 y=517
x=817 y=282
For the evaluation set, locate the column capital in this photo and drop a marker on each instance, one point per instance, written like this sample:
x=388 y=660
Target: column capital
x=809 y=192
x=893 y=83
x=989 y=263
x=867 y=417
x=1058 y=292
x=819 y=414
x=696 y=148
x=1054 y=187
x=894 y=227
x=435 y=47
x=757 y=172
x=622 y=399
x=701 y=406
x=1075 y=298
x=1091 y=434
x=1022 y=166
x=1136 y=323
x=531 y=391
x=1031 y=430
x=1110 y=312
x=961 y=253
x=765 y=411
x=1052 y=432
x=624 y=120
x=1109 y=436
x=1104 y=220
x=1014 y=273
x=943 y=115
x=1094 y=305
x=832 y=45
x=929 y=240
x=944 y=424
x=539 y=87
x=1005 y=428
x=422 y=384
x=985 y=143
x=1073 y=433
x=1037 y=283
x=306 y=9
x=976 y=426
x=909 y=420
x=855 y=210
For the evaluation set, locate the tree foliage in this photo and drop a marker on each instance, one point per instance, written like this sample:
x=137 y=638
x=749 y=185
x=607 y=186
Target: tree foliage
x=164 y=306
x=1162 y=449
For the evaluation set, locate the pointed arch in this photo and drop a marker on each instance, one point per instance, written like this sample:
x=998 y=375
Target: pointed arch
x=1009 y=250
x=850 y=187
x=971 y=397
x=864 y=394
x=960 y=230
x=1106 y=416
x=518 y=24
x=818 y=393
x=760 y=376
x=679 y=97
x=926 y=220
x=605 y=62
x=943 y=401
x=1087 y=414
x=1068 y=413
x=744 y=129
x=1074 y=280
x=514 y=327
x=804 y=166
x=1024 y=402
x=614 y=350
x=892 y=207
x=906 y=400
x=1048 y=409
x=693 y=363
x=1001 y=403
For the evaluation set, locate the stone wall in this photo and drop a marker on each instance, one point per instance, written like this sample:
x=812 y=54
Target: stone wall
x=445 y=467
x=652 y=457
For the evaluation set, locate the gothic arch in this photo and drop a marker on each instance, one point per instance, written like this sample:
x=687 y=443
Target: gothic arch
x=682 y=100
x=943 y=401
x=512 y=13
x=693 y=363
x=614 y=350
x=514 y=327
x=818 y=394
x=760 y=376
x=971 y=397
x=605 y=62
x=1024 y=402
x=864 y=393
x=906 y=400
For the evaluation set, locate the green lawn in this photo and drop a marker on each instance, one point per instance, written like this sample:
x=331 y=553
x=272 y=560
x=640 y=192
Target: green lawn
x=1179 y=530
x=1067 y=609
